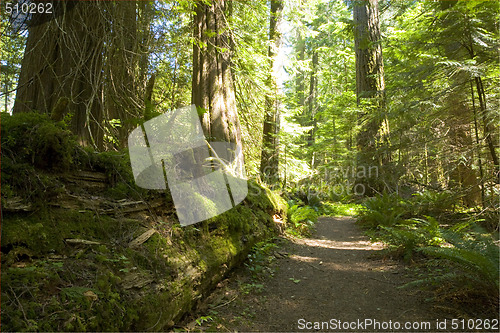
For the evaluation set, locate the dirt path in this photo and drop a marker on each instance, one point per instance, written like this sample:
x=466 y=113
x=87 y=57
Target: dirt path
x=335 y=274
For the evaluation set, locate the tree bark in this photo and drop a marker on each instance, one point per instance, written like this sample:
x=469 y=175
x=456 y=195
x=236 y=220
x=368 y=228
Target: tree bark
x=212 y=87
x=122 y=99
x=370 y=85
x=311 y=100
x=369 y=63
x=269 y=163
x=63 y=59
x=299 y=81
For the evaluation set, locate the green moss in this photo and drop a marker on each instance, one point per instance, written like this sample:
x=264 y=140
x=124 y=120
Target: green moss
x=46 y=231
x=32 y=137
x=184 y=263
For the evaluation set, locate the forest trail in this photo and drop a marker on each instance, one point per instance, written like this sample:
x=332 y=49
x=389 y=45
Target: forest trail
x=335 y=274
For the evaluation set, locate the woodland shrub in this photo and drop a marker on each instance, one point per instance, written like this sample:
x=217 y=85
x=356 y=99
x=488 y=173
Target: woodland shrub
x=301 y=218
x=474 y=260
x=33 y=138
x=382 y=211
x=432 y=202
x=468 y=256
x=405 y=238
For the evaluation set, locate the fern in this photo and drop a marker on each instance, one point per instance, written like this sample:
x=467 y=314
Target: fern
x=382 y=211
x=303 y=214
x=402 y=241
x=475 y=258
x=411 y=234
x=302 y=218
x=432 y=202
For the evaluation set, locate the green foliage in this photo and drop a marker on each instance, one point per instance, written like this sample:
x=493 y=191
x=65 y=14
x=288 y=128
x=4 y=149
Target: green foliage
x=33 y=138
x=432 y=202
x=382 y=211
x=406 y=238
x=475 y=259
x=258 y=261
x=301 y=218
x=32 y=142
x=472 y=255
x=203 y=319
x=340 y=209
x=11 y=52
x=51 y=285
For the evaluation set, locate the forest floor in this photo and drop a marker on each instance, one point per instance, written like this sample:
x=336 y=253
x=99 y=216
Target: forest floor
x=337 y=275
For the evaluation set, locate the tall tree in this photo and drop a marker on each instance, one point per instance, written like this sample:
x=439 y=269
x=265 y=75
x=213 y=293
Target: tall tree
x=370 y=85
x=269 y=161
x=367 y=39
x=212 y=84
x=123 y=58
x=311 y=100
x=86 y=61
x=62 y=68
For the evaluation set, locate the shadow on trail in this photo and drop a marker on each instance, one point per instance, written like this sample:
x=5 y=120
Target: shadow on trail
x=335 y=274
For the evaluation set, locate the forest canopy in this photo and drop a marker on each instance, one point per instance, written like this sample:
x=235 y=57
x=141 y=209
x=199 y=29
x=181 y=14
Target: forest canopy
x=320 y=91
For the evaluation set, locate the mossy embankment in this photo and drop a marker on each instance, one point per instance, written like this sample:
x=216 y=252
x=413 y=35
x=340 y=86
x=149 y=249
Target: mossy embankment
x=84 y=249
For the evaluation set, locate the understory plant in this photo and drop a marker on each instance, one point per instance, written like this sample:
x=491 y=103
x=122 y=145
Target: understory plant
x=466 y=254
x=432 y=202
x=474 y=259
x=382 y=211
x=405 y=238
x=301 y=218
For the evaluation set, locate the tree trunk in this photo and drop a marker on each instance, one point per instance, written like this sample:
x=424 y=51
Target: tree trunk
x=212 y=86
x=122 y=100
x=299 y=81
x=369 y=64
x=478 y=144
x=63 y=59
x=370 y=85
x=311 y=101
x=488 y=132
x=269 y=162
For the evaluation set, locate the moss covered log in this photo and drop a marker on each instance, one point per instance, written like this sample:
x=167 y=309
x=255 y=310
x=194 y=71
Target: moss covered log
x=83 y=249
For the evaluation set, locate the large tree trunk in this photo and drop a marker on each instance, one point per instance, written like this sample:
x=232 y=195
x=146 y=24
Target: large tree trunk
x=370 y=85
x=212 y=86
x=369 y=64
x=311 y=101
x=63 y=61
x=122 y=99
x=269 y=162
